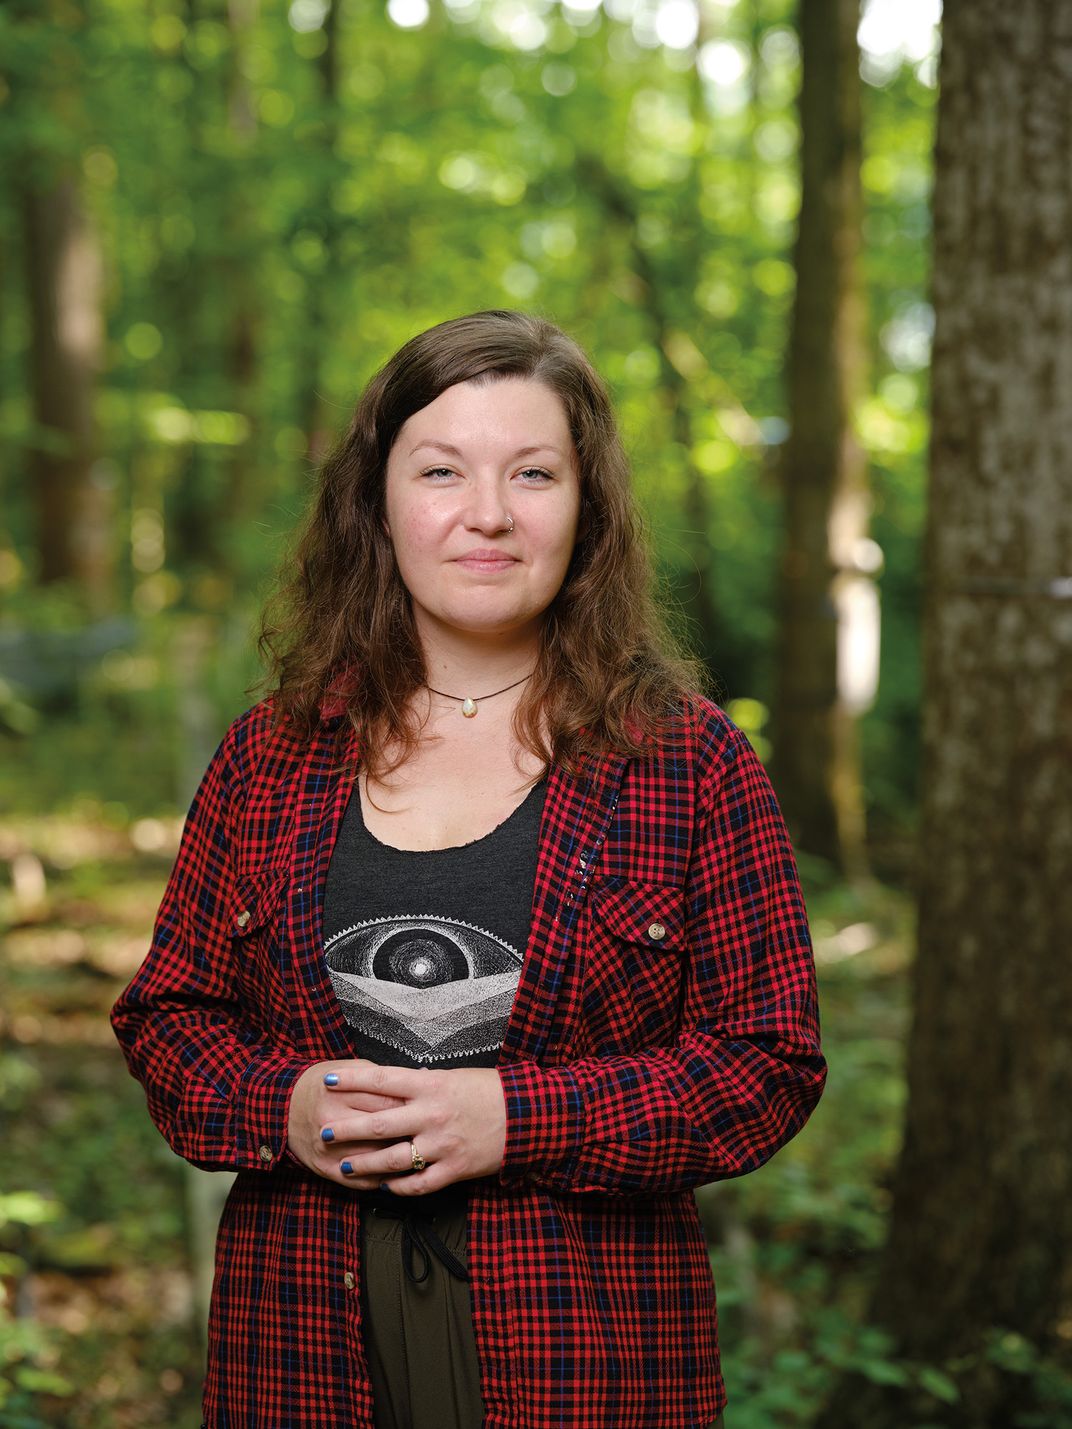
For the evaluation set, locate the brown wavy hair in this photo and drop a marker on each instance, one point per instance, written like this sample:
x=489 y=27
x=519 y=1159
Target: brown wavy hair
x=340 y=626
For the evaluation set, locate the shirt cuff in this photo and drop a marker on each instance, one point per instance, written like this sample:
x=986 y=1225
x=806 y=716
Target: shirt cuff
x=545 y=1119
x=263 y=1110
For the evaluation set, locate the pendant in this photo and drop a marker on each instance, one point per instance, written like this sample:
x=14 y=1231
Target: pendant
x=468 y=707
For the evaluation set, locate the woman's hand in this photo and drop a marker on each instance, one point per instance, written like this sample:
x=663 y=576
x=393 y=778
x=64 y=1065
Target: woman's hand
x=314 y=1104
x=456 y=1119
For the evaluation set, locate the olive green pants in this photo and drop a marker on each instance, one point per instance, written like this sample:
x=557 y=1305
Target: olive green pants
x=419 y=1330
x=418 y=1321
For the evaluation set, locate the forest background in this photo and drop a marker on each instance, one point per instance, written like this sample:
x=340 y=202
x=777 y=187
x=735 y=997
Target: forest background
x=216 y=221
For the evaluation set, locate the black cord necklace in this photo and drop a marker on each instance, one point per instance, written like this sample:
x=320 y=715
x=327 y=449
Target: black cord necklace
x=469 y=704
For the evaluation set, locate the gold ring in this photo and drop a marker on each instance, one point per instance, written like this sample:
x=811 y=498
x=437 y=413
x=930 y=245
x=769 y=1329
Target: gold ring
x=419 y=1163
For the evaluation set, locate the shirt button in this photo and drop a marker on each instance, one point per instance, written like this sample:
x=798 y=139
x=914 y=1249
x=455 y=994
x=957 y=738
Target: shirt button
x=348 y=1280
x=265 y=1153
x=243 y=918
x=656 y=932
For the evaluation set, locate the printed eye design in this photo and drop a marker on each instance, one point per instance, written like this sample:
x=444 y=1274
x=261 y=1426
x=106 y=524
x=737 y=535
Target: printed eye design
x=430 y=987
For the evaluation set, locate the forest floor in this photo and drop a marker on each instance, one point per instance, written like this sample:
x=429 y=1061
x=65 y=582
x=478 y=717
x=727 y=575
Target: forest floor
x=99 y=1320
x=100 y=1308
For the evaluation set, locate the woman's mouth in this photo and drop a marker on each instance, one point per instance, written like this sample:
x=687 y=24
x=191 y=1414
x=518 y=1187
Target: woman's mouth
x=483 y=560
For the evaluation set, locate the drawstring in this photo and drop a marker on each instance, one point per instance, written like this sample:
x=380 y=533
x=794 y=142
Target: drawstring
x=418 y=1235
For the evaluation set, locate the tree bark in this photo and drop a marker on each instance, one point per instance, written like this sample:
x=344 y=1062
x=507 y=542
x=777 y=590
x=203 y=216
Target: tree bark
x=187 y=488
x=681 y=365
x=815 y=761
x=323 y=289
x=243 y=289
x=980 y=1242
x=63 y=273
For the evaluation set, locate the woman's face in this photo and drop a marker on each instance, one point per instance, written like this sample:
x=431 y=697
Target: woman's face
x=461 y=470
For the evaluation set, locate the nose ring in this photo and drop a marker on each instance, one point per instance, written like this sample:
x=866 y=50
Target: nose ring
x=511 y=525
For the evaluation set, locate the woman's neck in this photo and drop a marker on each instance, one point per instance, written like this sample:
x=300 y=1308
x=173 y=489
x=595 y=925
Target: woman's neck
x=463 y=666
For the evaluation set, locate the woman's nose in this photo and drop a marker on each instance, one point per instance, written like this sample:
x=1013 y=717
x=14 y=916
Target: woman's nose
x=486 y=509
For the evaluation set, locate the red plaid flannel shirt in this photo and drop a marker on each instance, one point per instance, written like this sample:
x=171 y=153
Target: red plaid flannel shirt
x=664 y=1034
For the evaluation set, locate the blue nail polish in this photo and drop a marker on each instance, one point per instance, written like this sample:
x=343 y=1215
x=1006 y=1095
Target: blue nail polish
x=331 y=1079
x=384 y=1186
x=327 y=1134
x=347 y=1169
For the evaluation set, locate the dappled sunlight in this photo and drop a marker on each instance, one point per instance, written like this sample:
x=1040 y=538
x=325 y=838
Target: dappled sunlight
x=278 y=197
x=893 y=32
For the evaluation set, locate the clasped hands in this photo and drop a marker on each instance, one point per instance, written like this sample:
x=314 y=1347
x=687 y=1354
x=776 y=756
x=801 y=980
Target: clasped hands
x=353 y=1122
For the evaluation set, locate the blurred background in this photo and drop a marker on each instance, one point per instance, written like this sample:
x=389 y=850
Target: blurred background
x=217 y=219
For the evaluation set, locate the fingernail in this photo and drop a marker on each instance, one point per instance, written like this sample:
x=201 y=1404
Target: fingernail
x=331 y=1079
x=327 y=1134
x=347 y=1169
x=384 y=1186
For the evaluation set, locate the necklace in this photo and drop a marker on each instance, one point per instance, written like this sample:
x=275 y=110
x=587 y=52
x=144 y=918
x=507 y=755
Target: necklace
x=469 y=704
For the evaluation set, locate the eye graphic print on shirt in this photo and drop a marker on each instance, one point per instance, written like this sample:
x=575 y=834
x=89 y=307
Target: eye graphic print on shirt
x=432 y=988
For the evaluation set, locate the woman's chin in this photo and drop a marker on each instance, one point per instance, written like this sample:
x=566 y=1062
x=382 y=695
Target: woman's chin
x=493 y=626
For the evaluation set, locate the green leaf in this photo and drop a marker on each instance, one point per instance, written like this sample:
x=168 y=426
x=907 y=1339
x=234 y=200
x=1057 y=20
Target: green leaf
x=42 y=1381
x=884 y=1372
x=939 y=1384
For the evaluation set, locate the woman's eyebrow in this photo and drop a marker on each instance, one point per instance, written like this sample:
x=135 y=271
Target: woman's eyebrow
x=453 y=451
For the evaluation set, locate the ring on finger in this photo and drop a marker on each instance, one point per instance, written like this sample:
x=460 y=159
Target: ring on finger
x=419 y=1163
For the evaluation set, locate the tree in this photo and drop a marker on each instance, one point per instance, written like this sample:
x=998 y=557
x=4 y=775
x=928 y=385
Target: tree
x=977 y=1273
x=63 y=282
x=824 y=471
x=680 y=364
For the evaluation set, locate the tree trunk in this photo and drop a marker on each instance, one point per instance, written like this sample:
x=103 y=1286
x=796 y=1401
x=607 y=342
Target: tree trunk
x=815 y=758
x=323 y=287
x=978 y=1267
x=241 y=356
x=681 y=367
x=63 y=280
x=189 y=490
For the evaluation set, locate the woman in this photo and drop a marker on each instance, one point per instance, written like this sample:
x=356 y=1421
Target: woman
x=484 y=946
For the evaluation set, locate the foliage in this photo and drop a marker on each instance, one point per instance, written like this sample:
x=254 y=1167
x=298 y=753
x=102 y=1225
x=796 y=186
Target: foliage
x=27 y=1349
x=289 y=207
x=95 y=1328
x=1044 y=1386
x=271 y=227
x=129 y=732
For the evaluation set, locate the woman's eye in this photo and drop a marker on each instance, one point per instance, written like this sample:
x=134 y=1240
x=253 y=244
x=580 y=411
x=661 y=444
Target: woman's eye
x=531 y=475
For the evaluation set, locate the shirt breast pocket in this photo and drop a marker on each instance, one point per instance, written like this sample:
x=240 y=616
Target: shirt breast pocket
x=255 y=903
x=634 y=965
x=260 y=946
